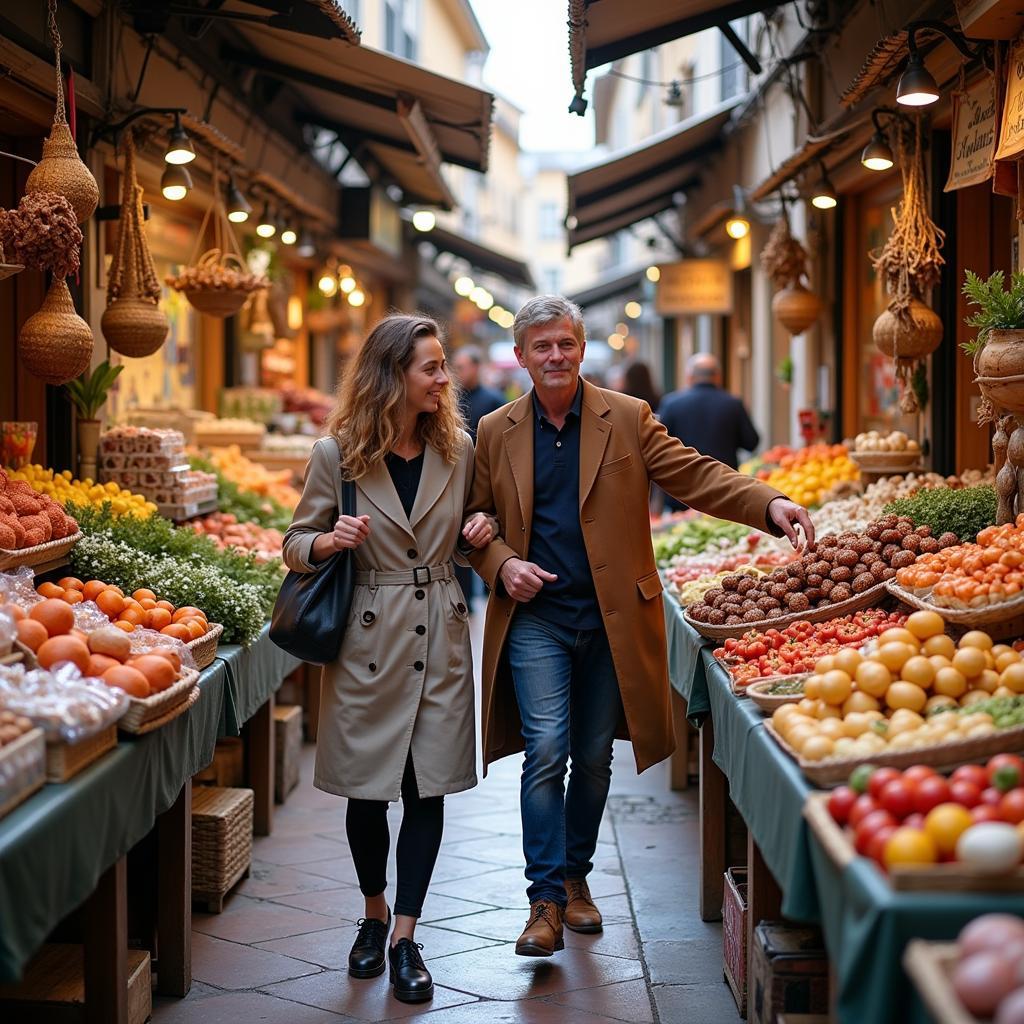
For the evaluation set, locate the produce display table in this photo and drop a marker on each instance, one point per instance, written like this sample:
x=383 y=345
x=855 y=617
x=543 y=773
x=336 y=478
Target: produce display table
x=866 y=925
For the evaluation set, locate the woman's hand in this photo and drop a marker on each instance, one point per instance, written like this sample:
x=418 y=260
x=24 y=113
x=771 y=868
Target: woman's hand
x=480 y=530
x=350 y=531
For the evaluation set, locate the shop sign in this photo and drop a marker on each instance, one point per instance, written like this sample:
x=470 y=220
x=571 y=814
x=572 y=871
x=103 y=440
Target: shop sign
x=974 y=135
x=691 y=287
x=1011 y=135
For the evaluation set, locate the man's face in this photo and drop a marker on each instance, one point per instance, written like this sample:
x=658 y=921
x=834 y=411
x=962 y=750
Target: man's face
x=466 y=370
x=551 y=354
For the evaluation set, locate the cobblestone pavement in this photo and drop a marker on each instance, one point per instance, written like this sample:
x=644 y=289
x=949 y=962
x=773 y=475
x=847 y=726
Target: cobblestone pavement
x=278 y=951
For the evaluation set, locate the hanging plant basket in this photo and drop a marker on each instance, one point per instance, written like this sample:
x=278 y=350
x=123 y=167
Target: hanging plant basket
x=133 y=323
x=999 y=369
x=796 y=307
x=56 y=343
x=784 y=259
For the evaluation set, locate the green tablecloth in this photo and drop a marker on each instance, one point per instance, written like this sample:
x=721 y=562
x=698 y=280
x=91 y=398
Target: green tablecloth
x=56 y=845
x=865 y=923
x=254 y=674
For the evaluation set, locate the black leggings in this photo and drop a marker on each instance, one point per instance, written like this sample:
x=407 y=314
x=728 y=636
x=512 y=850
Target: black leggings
x=419 y=839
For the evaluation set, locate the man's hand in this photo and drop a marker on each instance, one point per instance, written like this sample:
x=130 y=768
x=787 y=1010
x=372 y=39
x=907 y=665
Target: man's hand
x=787 y=515
x=523 y=580
x=479 y=530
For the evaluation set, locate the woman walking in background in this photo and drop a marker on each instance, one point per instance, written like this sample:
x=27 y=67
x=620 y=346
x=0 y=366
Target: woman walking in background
x=397 y=716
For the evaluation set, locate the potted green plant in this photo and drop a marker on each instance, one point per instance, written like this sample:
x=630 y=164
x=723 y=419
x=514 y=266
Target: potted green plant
x=998 y=349
x=87 y=394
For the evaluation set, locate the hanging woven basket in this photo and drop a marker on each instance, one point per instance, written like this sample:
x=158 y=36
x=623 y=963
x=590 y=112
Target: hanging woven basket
x=911 y=336
x=56 y=343
x=796 y=307
x=133 y=323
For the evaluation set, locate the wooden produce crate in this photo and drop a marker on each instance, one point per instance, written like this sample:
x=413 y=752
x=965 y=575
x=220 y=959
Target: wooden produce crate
x=228 y=765
x=65 y=760
x=221 y=842
x=949 y=877
x=734 y=936
x=789 y=972
x=53 y=988
x=22 y=769
x=287 y=749
x=930 y=966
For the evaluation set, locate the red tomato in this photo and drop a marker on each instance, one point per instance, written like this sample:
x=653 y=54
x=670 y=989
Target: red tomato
x=964 y=792
x=877 y=844
x=862 y=807
x=918 y=772
x=1005 y=761
x=897 y=798
x=929 y=793
x=914 y=820
x=985 y=812
x=840 y=802
x=868 y=826
x=991 y=796
x=973 y=773
x=880 y=778
x=1011 y=807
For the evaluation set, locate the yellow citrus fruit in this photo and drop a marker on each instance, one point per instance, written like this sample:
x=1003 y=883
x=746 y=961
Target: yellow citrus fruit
x=1012 y=677
x=918 y=670
x=906 y=695
x=950 y=682
x=970 y=661
x=817 y=747
x=836 y=686
x=847 y=660
x=898 y=635
x=940 y=644
x=925 y=624
x=976 y=638
x=859 y=701
x=873 y=677
x=896 y=654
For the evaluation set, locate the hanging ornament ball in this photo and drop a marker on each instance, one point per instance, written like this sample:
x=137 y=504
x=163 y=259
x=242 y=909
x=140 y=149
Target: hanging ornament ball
x=796 y=307
x=913 y=336
x=56 y=343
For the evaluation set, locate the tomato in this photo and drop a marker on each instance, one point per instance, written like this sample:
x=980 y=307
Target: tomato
x=973 y=773
x=876 y=846
x=897 y=798
x=868 y=826
x=930 y=792
x=918 y=772
x=827 y=632
x=914 y=820
x=991 y=796
x=1011 y=807
x=840 y=803
x=985 y=812
x=909 y=846
x=945 y=824
x=862 y=807
x=964 y=792
x=880 y=778
x=1001 y=761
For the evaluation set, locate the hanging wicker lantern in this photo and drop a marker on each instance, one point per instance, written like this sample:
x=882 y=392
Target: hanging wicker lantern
x=796 y=307
x=56 y=343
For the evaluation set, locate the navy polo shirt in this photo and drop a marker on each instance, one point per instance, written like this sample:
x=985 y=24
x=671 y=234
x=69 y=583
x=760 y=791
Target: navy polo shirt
x=556 y=539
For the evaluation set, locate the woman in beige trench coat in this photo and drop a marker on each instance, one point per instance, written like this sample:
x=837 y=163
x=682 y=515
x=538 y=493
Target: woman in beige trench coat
x=397 y=712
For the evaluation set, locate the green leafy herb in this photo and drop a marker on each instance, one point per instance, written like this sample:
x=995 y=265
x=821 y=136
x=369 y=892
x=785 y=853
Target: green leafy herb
x=246 y=506
x=998 y=309
x=964 y=511
x=89 y=391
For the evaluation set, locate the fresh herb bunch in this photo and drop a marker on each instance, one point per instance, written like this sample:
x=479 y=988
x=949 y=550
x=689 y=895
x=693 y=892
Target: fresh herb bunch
x=964 y=511
x=1006 y=712
x=998 y=309
x=157 y=536
x=248 y=507
x=189 y=580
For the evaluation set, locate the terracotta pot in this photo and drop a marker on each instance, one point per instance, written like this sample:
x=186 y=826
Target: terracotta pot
x=913 y=337
x=1001 y=360
x=796 y=307
x=88 y=446
x=56 y=343
x=61 y=170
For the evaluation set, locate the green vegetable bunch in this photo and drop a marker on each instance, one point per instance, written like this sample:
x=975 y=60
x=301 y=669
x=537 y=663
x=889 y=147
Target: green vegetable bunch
x=964 y=511
x=248 y=507
x=998 y=309
x=1006 y=712
x=695 y=536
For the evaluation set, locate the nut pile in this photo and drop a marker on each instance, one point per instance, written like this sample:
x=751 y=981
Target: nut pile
x=843 y=566
x=216 y=277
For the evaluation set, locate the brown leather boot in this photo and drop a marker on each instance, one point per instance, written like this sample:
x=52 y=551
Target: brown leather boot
x=581 y=914
x=542 y=935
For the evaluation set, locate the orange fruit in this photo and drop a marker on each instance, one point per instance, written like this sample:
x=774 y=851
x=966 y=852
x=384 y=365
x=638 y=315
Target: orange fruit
x=31 y=633
x=178 y=631
x=73 y=597
x=17 y=613
x=170 y=655
x=143 y=593
x=159 y=672
x=63 y=648
x=166 y=605
x=129 y=679
x=195 y=628
x=130 y=602
x=188 y=612
x=49 y=590
x=157 y=618
x=116 y=590
x=147 y=604
x=55 y=615
x=110 y=603
x=99 y=663
x=93 y=589
x=70 y=583
x=136 y=616
x=126 y=626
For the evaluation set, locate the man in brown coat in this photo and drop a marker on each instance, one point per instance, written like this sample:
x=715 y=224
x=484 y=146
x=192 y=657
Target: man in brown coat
x=574 y=644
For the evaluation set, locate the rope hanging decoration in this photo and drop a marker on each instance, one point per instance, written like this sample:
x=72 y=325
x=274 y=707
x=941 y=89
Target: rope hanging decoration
x=133 y=323
x=784 y=259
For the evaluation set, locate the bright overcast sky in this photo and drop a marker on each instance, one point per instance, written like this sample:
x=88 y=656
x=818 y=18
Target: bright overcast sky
x=529 y=65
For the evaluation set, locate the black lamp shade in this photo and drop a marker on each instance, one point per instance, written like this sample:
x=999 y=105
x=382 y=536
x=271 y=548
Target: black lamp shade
x=877 y=156
x=917 y=87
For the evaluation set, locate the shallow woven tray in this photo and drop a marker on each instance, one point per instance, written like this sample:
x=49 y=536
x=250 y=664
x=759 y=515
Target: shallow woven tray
x=1007 y=615
x=65 y=760
x=951 y=877
x=204 y=649
x=768 y=702
x=930 y=966
x=888 y=462
x=39 y=553
x=29 y=753
x=830 y=611
x=834 y=770
x=147 y=713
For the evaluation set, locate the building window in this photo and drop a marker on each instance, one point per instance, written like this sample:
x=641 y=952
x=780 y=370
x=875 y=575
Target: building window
x=400 y=27
x=734 y=71
x=551 y=280
x=550 y=227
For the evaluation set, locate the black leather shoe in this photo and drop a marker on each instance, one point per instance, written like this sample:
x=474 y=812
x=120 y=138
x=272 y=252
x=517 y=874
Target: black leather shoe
x=409 y=975
x=366 y=957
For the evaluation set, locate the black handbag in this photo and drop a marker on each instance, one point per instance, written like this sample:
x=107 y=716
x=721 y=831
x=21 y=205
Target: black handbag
x=311 y=610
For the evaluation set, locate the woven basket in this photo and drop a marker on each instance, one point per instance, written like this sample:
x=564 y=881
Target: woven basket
x=204 y=649
x=222 y=822
x=1005 y=618
x=768 y=702
x=61 y=170
x=65 y=760
x=218 y=302
x=39 y=553
x=833 y=770
x=830 y=611
x=887 y=462
x=22 y=769
x=146 y=713
x=56 y=343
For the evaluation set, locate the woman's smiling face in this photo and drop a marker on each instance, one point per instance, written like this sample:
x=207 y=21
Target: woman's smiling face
x=426 y=376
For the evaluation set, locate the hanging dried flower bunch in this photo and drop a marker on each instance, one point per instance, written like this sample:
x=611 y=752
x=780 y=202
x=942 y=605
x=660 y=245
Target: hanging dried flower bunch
x=42 y=233
x=910 y=265
x=783 y=258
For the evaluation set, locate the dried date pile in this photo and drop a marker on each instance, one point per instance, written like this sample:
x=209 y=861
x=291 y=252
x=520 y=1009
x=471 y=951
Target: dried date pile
x=210 y=276
x=843 y=566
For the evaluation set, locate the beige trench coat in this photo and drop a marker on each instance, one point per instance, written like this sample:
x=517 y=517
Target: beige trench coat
x=404 y=678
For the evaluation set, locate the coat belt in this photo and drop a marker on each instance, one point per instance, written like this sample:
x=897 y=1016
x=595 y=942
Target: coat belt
x=419 y=576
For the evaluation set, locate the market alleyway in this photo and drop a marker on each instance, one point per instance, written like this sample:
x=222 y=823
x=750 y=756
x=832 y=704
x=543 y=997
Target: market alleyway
x=277 y=953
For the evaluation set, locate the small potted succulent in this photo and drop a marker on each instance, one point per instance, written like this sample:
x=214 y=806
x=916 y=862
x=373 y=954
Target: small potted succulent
x=998 y=349
x=87 y=394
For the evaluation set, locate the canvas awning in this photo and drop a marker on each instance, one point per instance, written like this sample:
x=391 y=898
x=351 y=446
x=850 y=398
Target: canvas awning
x=601 y=31
x=385 y=110
x=610 y=288
x=639 y=182
x=478 y=256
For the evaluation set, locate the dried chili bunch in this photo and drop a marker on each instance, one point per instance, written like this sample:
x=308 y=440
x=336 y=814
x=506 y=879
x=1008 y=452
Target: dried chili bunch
x=42 y=233
x=783 y=258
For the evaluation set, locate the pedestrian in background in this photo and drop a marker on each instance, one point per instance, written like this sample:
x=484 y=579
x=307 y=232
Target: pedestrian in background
x=638 y=382
x=706 y=417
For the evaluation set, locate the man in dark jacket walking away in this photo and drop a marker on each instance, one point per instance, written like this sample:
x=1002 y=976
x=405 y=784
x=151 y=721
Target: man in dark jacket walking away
x=706 y=417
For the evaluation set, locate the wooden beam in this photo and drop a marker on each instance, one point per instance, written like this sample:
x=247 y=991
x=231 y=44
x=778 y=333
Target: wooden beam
x=259 y=735
x=174 y=896
x=714 y=793
x=39 y=74
x=106 y=948
x=420 y=133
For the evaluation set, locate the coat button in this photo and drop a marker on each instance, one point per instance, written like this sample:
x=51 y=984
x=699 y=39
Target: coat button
x=368 y=617
x=420 y=630
x=460 y=608
x=412 y=552
x=419 y=595
x=373 y=666
x=418 y=665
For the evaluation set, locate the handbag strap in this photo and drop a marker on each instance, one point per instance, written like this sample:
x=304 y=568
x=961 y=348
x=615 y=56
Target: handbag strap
x=347 y=493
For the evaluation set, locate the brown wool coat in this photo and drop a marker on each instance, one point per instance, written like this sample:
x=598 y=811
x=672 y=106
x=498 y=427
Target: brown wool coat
x=376 y=705
x=623 y=448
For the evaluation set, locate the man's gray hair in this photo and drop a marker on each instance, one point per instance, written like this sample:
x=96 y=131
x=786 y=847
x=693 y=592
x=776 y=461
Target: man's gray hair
x=544 y=310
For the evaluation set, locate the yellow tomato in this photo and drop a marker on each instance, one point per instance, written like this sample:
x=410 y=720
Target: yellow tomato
x=909 y=847
x=945 y=824
x=918 y=670
x=873 y=677
x=976 y=638
x=906 y=695
x=925 y=625
x=836 y=686
x=970 y=661
x=950 y=682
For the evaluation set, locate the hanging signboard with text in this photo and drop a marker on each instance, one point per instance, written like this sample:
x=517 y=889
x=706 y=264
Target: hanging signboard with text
x=692 y=287
x=1011 y=135
x=974 y=135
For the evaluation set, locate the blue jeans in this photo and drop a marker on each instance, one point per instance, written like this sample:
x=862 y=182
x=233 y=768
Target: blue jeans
x=569 y=703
